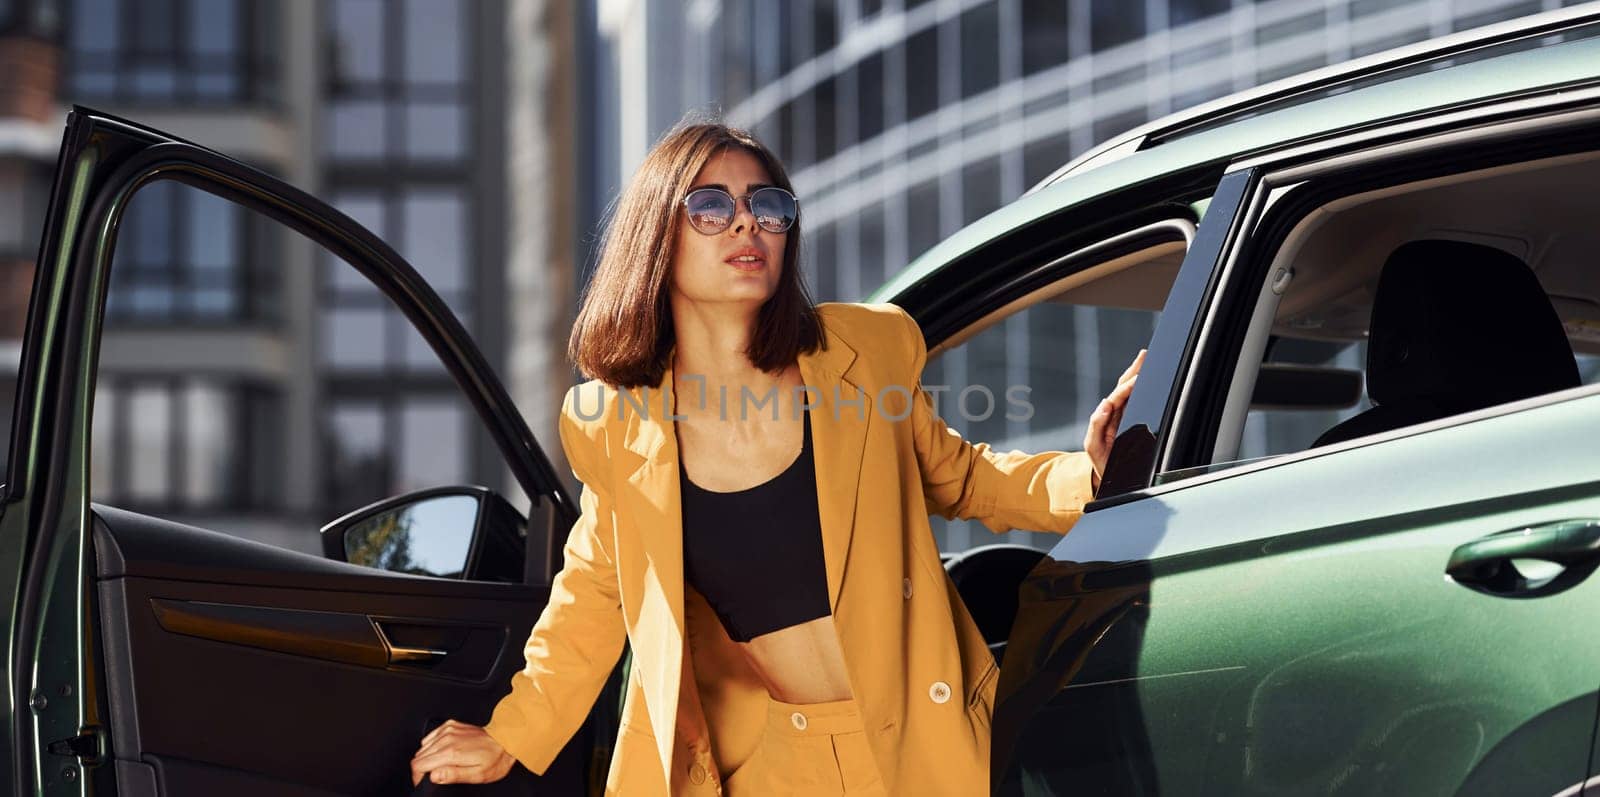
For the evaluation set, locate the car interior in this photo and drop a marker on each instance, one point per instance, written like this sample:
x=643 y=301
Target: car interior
x=1442 y=283
x=1135 y=278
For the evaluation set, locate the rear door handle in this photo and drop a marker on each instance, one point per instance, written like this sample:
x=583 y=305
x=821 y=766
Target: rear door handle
x=1487 y=565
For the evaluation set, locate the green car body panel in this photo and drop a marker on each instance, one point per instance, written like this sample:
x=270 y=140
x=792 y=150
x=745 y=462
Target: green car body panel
x=1288 y=629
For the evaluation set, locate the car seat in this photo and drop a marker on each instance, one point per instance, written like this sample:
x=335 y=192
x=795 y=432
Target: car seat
x=1456 y=327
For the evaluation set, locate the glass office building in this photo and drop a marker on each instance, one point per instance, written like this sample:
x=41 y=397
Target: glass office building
x=902 y=121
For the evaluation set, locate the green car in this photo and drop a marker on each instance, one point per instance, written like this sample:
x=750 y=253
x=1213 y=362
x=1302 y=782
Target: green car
x=1289 y=584
x=1341 y=547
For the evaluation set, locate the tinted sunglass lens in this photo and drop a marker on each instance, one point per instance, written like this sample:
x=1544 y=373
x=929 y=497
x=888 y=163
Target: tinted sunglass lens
x=710 y=210
x=774 y=209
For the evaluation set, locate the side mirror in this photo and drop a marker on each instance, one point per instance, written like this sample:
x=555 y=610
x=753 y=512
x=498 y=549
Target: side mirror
x=1286 y=386
x=463 y=532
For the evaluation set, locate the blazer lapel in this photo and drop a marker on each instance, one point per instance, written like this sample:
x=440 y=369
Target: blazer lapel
x=840 y=413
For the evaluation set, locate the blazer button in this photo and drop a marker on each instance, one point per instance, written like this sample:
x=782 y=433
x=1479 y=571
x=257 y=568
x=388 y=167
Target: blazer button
x=799 y=721
x=939 y=692
x=907 y=589
x=697 y=774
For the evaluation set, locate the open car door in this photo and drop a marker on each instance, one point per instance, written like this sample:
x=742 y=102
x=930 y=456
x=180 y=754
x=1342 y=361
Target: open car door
x=148 y=657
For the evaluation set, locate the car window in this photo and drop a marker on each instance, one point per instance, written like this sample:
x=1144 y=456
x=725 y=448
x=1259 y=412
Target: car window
x=253 y=383
x=1028 y=375
x=1487 y=290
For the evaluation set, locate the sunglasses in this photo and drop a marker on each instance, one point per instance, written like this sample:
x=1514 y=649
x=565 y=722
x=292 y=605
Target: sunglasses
x=711 y=210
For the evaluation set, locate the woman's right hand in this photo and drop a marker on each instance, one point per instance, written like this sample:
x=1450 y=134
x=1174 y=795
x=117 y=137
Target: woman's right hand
x=459 y=752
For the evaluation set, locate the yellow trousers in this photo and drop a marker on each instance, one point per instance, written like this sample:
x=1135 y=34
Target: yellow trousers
x=809 y=749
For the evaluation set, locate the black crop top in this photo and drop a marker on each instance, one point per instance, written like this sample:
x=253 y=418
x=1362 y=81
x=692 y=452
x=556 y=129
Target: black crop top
x=756 y=554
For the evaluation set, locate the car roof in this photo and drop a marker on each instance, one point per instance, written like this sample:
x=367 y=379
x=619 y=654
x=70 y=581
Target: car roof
x=1393 y=85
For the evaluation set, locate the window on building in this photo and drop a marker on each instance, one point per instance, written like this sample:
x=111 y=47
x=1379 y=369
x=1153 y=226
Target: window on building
x=392 y=419
x=734 y=63
x=1182 y=12
x=769 y=131
x=980 y=49
x=189 y=423
x=980 y=189
x=922 y=73
x=825 y=105
x=825 y=257
x=205 y=427
x=360 y=330
x=922 y=217
x=874 y=268
x=1044 y=34
x=824 y=25
x=790 y=52
x=1362 y=8
x=765 y=44
x=869 y=96
x=188 y=257
x=1114 y=22
x=189 y=52
x=1115 y=124
x=397 y=83
x=794 y=139
x=186 y=443
x=1041 y=158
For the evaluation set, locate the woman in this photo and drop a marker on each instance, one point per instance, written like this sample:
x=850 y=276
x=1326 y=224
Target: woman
x=757 y=477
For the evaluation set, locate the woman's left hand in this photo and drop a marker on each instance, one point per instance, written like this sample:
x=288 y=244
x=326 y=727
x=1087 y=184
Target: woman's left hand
x=1107 y=417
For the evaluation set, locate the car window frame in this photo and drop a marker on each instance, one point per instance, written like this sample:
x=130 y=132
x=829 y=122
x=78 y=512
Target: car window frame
x=1310 y=177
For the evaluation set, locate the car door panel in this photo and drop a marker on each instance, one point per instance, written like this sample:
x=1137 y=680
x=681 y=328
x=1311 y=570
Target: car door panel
x=165 y=659
x=1293 y=631
x=217 y=681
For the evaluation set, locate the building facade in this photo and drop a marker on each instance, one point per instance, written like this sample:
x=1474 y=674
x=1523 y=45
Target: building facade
x=249 y=382
x=901 y=121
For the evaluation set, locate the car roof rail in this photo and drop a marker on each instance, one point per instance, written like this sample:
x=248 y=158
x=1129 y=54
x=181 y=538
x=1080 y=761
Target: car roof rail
x=1317 y=83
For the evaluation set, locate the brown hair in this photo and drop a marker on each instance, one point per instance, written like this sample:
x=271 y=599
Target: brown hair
x=624 y=332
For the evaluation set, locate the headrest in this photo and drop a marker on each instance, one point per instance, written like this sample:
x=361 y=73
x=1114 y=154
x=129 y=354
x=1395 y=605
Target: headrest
x=1464 y=325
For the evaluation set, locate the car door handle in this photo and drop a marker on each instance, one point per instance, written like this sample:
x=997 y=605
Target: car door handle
x=1487 y=565
x=407 y=655
x=416 y=656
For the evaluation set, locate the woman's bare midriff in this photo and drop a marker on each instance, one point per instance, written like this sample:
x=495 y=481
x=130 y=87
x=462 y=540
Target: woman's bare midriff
x=802 y=663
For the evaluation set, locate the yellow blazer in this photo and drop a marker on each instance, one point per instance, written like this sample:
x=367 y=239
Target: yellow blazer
x=919 y=669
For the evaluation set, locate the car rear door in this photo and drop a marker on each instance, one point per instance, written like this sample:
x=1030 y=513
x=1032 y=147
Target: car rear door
x=150 y=657
x=1289 y=627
